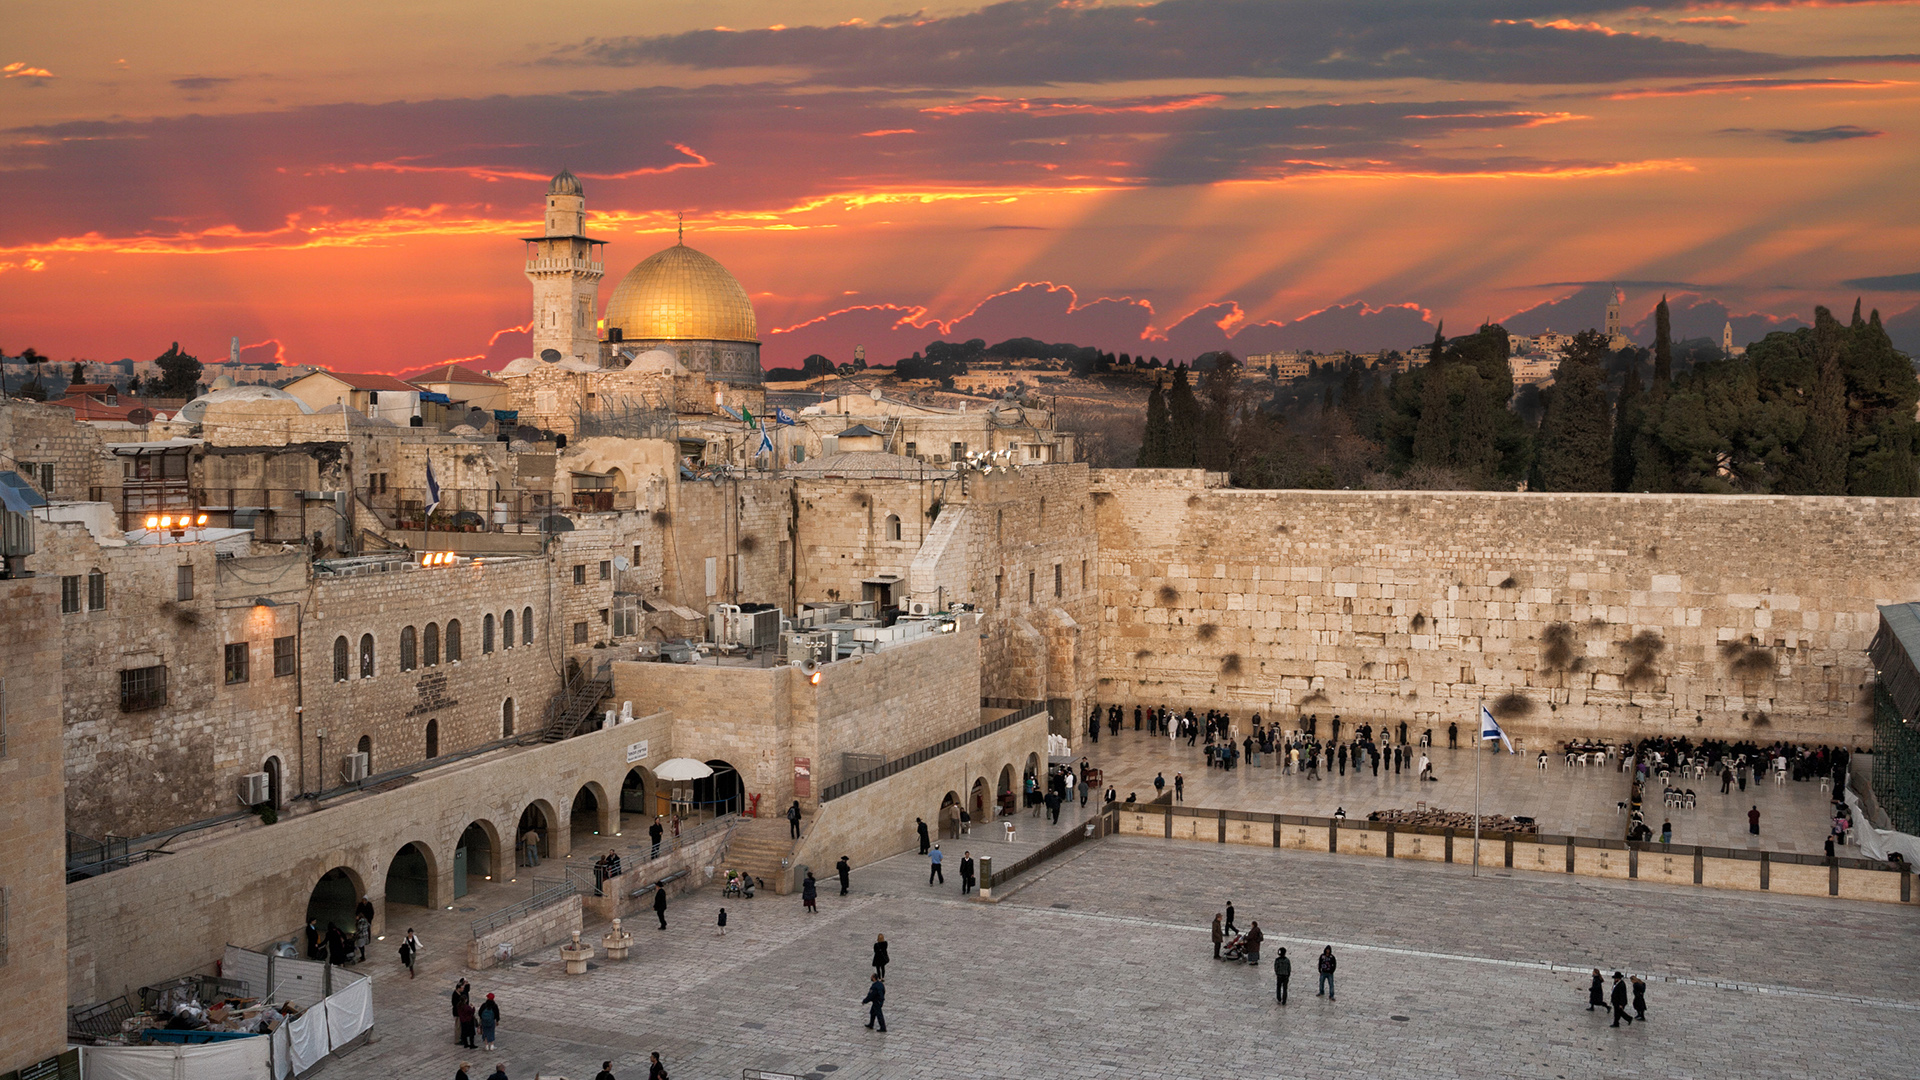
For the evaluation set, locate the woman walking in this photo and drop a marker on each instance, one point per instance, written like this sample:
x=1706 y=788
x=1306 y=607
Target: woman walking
x=809 y=894
x=880 y=956
x=489 y=1020
x=1597 y=992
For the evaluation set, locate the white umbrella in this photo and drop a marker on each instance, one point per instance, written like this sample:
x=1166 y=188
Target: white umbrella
x=682 y=768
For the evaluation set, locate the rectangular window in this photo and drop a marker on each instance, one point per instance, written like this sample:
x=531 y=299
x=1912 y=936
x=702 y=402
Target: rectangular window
x=143 y=688
x=999 y=585
x=579 y=633
x=238 y=655
x=96 y=591
x=959 y=451
x=1057 y=590
x=1029 y=586
x=1083 y=575
x=283 y=656
x=913 y=449
x=46 y=477
x=183 y=583
x=606 y=570
x=636 y=556
x=70 y=594
x=603 y=616
x=580 y=574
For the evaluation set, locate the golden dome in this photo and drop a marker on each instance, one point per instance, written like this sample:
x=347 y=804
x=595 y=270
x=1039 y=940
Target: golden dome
x=680 y=294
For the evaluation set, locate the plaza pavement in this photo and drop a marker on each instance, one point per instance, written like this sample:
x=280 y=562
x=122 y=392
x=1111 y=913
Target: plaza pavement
x=1580 y=801
x=1098 y=964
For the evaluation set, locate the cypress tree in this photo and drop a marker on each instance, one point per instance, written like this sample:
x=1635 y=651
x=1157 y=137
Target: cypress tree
x=1662 y=347
x=1473 y=437
x=1216 y=422
x=1153 y=438
x=1629 y=413
x=1439 y=348
x=1183 y=428
x=1824 y=447
x=1433 y=435
x=1576 y=436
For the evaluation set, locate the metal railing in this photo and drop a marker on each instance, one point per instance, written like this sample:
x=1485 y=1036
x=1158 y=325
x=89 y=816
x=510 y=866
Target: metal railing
x=1105 y=823
x=542 y=898
x=855 y=783
x=101 y=1018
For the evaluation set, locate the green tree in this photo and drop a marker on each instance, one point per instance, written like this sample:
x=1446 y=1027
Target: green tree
x=1433 y=431
x=179 y=373
x=1825 y=445
x=1576 y=433
x=1183 y=423
x=1154 y=437
x=1220 y=397
x=1662 y=347
x=79 y=373
x=1629 y=413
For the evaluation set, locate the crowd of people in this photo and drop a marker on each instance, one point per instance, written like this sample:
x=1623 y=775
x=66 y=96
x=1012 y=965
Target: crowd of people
x=1299 y=750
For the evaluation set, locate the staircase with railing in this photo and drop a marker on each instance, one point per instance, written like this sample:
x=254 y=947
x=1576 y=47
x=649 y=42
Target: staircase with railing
x=573 y=706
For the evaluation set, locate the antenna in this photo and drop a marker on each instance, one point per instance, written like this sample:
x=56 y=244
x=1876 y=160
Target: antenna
x=682 y=215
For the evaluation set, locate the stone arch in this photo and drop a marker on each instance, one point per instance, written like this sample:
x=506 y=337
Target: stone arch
x=413 y=876
x=526 y=626
x=276 y=781
x=592 y=816
x=365 y=746
x=893 y=526
x=538 y=815
x=333 y=899
x=433 y=739
x=430 y=646
x=486 y=635
x=980 y=800
x=640 y=794
x=506 y=716
x=342 y=657
x=453 y=641
x=506 y=629
x=724 y=792
x=1006 y=795
x=944 y=819
x=477 y=854
x=367 y=669
x=409 y=649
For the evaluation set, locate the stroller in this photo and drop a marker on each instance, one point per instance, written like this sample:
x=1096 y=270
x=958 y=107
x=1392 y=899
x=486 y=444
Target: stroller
x=740 y=884
x=1235 y=948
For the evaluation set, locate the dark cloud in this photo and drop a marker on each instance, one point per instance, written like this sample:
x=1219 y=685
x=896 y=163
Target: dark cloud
x=199 y=83
x=1836 y=133
x=1904 y=328
x=1030 y=42
x=1887 y=283
x=283 y=177
x=1054 y=312
x=1697 y=316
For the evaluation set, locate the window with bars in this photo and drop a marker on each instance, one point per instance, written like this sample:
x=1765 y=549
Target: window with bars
x=579 y=633
x=606 y=569
x=453 y=640
x=96 y=590
x=486 y=635
x=526 y=626
x=340 y=668
x=1058 y=588
x=430 y=646
x=239 y=657
x=183 y=583
x=143 y=688
x=409 y=650
x=70 y=594
x=366 y=656
x=506 y=630
x=580 y=574
x=284 y=656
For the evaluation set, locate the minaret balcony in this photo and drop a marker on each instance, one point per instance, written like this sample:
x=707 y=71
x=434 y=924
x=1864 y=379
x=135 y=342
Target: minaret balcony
x=555 y=266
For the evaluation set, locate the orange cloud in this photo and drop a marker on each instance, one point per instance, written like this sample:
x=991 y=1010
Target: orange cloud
x=20 y=70
x=1045 y=107
x=1748 y=86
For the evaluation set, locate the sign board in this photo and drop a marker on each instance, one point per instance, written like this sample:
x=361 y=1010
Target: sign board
x=802 y=778
x=636 y=751
x=63 y=1066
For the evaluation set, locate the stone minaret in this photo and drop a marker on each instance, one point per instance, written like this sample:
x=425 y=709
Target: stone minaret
x=1726 y=339
x=565 y=267
x=1615 y=339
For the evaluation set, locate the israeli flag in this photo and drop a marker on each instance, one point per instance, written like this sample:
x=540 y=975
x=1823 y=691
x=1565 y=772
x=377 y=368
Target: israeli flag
x=1490 y=729
x=433 y=488
x=766 y=443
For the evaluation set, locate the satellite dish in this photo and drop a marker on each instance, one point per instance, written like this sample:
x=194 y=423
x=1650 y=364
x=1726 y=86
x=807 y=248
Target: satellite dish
x=620 y=563
x=140 y=416
x=550 y=356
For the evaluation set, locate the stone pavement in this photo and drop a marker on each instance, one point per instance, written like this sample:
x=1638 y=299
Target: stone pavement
x=1098 y=964
x=1580 y=801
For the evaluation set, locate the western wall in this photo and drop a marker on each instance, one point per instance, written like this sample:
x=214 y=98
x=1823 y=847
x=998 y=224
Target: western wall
x=1571 y=615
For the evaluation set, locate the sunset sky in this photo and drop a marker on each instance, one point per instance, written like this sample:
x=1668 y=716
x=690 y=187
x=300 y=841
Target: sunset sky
x=341 y=183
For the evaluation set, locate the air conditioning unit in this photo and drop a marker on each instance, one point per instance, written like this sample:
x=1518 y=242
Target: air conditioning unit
x=919 y=607
x=255 y=789
x=353 y=768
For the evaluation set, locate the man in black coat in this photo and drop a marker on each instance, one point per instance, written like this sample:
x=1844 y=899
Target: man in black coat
x=876 y=997
x=966 y=872
x=845 y=870
x=1620 y=1000
x=793 y=819
x=660 y=905
x=655 y=831
x=924 y=840
x=1282 y=971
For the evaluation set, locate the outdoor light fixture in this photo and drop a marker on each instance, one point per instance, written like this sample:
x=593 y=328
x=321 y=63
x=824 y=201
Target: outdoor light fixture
x=438 y=558
x=814 y=678
x=177 y=524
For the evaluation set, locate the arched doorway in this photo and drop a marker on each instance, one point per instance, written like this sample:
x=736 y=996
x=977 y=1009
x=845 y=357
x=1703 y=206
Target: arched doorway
x=410 y=876
x=947 y=822
x=721 y=793
x=365 y=746
x=433 y=739
x=474 y=857
x=639 y=796
x=1008 y=801
x=590 y=817
x=980 y=804
x=332 y=901
x=536 y=818
x=272 y=769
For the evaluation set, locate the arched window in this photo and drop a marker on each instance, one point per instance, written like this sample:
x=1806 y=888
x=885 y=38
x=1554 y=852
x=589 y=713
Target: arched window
x=893 y=526
x=433 y=739
x=526 y=626
x=340 y=668
x=366 y=747
x=96 y=590
x=506 y=719
x=453 y=640
x=366 y=656
x=506 y=629
x=409 y=650
x=430 y=646
x=486 y=635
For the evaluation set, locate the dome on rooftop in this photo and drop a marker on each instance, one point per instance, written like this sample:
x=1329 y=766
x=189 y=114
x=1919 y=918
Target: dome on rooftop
x=565 y=183
x=680 y=294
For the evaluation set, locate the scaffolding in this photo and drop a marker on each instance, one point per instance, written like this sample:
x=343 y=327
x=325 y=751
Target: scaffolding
x=1896 y=762
x=625 y=418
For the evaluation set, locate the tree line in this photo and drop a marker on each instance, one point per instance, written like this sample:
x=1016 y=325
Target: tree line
x=1822 y=410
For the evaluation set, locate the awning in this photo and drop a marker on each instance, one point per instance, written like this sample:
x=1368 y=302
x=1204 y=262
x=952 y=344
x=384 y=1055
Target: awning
x=18 y=496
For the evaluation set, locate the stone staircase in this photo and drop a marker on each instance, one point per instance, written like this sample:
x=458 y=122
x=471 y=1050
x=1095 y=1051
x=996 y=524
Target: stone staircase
x=757 y=847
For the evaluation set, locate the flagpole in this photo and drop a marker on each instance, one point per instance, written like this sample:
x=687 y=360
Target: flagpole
x=1477 y=755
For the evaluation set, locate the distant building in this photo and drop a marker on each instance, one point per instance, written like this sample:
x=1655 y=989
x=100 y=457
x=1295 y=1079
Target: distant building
x=1281 y=366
